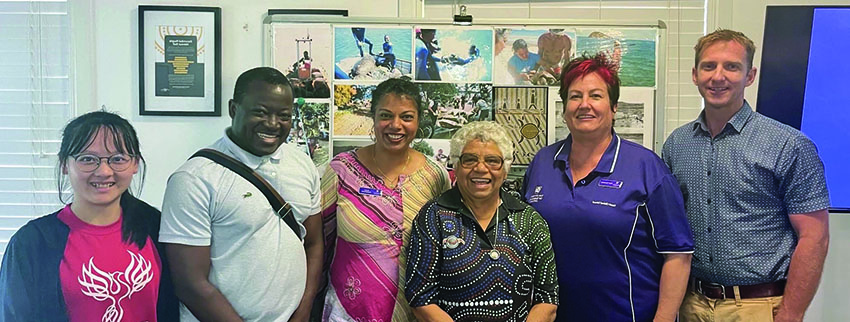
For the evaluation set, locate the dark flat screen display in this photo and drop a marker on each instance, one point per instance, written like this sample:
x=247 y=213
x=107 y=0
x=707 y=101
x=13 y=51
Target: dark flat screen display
x=805 y=83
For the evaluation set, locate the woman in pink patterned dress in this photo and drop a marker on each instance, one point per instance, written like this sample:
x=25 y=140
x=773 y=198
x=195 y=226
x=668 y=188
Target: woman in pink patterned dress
x=369 y=199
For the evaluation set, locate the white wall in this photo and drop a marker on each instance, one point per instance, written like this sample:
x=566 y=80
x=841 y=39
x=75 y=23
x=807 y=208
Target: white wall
x=107 y=70
x=831 y=301
x=106 y=73
x=747 y=16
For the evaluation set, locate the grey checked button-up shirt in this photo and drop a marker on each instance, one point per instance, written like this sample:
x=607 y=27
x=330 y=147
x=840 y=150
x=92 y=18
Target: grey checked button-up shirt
x=739 y=189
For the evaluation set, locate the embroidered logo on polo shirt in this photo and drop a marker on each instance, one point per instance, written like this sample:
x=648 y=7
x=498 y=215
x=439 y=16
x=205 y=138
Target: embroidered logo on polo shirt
x=536 y=196
x=610 y=183
x=603 y=203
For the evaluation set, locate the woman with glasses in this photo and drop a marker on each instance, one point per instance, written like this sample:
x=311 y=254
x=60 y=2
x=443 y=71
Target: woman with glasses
x=623 y=247
x=369 y=199
x=96 y=259
x=477 y=253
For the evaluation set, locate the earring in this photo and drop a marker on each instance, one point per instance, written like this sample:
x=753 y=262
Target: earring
x=372 y=134
x=421 y=135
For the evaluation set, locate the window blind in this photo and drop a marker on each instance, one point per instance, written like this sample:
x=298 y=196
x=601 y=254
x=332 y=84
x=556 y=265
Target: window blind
x=35 y=103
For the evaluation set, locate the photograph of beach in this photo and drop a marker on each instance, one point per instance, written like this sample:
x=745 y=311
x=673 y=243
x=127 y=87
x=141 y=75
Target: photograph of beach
x=634 y=118
x=302 y=52
x=448 y=106
x=522 y=111
x=561 y=130
x=531 y=56
x=453 y=55
x=352 y=104
x=372 y=53
x=633 y=50
x=310 y=129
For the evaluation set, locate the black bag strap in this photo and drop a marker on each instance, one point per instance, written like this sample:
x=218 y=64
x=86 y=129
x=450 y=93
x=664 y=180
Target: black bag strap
x=281 y=207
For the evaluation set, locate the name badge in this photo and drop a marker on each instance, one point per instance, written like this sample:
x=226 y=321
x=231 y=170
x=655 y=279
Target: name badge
x=370 y=191
x=610 y=183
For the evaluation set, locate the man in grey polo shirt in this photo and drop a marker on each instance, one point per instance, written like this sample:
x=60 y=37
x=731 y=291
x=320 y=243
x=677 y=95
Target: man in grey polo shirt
x=755 y=196
x=232 y=258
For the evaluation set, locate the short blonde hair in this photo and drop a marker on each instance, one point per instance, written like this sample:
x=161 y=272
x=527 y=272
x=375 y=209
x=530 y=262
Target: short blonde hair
x=484 y=131
x=725 y=35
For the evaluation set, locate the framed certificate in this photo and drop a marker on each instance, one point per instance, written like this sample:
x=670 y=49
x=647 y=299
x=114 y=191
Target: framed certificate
x=179 y=61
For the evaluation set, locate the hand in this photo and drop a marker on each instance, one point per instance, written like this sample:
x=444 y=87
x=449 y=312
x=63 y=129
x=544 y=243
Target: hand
x=783 y=315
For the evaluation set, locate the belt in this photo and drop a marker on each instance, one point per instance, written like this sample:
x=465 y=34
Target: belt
x=719 y=291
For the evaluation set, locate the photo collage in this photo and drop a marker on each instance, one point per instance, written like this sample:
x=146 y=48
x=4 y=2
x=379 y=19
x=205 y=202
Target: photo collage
x=503 y=74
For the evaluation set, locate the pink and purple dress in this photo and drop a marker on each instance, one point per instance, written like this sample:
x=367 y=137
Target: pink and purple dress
x=367 y=226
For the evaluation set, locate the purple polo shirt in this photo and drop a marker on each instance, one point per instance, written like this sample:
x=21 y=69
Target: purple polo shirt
x=609 y=232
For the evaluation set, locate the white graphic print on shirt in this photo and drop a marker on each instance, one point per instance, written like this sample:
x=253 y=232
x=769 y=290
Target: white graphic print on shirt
x=115 y=286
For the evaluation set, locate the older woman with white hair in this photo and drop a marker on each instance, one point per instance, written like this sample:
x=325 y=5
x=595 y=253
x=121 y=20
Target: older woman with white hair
x=477 y=253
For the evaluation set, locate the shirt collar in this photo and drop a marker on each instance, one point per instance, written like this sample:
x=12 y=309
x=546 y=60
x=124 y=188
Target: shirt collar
x=252 y=161
x=606 y=163
x=452 y=199
x=738 y=121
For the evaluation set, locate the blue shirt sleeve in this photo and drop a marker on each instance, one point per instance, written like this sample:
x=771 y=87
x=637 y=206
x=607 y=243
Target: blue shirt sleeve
x=665 y=210
x=513 y=63
x=803 y=180
x=532 y=60
x=422 y=63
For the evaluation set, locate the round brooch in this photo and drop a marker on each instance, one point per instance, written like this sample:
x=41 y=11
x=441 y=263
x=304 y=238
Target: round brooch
x=452 y=242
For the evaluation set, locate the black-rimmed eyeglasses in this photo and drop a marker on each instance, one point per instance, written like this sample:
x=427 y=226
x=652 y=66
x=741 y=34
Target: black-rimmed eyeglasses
x=90 y=162
x=492 y=162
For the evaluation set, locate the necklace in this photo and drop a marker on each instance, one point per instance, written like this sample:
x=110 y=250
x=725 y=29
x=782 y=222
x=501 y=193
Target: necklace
x=494 y=253
x=378 y=167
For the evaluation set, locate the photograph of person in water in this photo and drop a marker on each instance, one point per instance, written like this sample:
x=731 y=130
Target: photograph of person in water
x=453 y=55
x=356 y=57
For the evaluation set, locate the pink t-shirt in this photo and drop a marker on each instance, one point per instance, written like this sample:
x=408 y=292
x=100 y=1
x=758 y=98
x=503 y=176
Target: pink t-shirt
x=104 y=278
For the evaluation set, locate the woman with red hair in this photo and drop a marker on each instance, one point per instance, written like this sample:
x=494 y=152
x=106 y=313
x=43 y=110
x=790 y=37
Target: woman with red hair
x=623 y=244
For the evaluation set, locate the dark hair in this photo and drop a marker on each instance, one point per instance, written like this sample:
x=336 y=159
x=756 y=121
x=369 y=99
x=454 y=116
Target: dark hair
x=421 y=32
x=519 y=44
x=267 y=75
x=79 y=134
x=585 y=65
x=402 y=87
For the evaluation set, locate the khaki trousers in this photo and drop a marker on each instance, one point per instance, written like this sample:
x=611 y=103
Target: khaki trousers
x=699 y=308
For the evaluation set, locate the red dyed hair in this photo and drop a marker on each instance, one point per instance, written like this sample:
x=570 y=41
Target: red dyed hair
x=585 y=65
